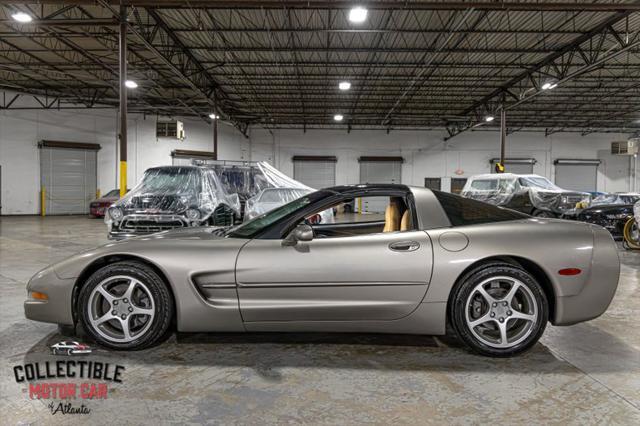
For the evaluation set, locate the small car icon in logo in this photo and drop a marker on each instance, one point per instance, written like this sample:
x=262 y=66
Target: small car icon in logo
x=70 y=348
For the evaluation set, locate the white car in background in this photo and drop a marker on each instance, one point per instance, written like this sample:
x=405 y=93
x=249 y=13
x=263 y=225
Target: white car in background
x=271 y=198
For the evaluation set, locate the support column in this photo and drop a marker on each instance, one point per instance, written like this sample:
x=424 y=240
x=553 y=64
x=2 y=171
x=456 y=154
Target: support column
x=503 y=139
x=123 y=100
x=215 y=126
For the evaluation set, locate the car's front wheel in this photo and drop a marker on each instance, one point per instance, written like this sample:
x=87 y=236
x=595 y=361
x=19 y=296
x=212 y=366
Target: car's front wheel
x=125 y=305
x=499 y=310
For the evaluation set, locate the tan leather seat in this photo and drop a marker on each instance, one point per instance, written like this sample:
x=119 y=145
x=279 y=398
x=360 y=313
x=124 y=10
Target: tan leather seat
x=391 y=218
x=405 y=222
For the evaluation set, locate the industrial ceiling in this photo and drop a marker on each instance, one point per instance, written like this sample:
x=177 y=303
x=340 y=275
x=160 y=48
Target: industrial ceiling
x=551 y=66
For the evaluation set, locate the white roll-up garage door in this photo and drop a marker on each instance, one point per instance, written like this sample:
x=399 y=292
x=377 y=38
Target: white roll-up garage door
x=579 y=175
x=379 y=170
x=316 y=172
x=520 y=166
x=68 y=176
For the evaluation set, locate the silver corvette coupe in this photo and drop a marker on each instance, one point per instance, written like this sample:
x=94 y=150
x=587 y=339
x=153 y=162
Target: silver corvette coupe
x=411 y=260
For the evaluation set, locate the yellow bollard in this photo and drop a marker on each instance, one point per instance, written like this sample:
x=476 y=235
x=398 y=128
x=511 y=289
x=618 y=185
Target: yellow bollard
x=43 y=201
x=123 y=178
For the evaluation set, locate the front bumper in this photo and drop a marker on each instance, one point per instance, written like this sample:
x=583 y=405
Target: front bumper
x=58 y=308
x=134 y=225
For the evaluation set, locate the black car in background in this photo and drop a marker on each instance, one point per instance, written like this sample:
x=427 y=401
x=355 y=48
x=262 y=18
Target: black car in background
x=610 y=211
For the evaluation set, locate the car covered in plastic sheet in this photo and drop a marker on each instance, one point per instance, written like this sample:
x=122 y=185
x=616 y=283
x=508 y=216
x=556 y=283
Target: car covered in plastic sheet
x=271 y=198
x=276 y=190
x=171 y=197
x=530 y=194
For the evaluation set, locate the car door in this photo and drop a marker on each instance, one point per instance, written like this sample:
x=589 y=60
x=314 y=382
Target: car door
x=382 y=276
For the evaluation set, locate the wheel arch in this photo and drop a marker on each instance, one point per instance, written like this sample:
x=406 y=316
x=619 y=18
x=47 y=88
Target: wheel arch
x=528 y=265
x=108 y=260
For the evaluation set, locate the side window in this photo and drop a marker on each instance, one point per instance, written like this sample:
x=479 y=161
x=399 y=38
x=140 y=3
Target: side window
x=362 y=216
x=485 y=184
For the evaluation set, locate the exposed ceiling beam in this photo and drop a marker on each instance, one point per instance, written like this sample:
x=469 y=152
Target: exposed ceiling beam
x=371 y=4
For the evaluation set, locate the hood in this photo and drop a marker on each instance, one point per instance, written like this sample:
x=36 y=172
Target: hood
x=613 y=208
x=172 y=202
x=105 y=200
x=158 y=248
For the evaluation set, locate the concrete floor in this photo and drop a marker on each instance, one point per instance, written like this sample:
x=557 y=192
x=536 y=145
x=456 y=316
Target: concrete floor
x=584 y=374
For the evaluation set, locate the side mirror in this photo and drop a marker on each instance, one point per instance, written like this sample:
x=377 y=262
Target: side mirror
x=302 y=232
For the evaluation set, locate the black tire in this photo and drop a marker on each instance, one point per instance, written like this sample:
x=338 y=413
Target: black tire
x=69 y=352
x=163 y=300
x=222 y=216
x=465 y=287
x=544 y=213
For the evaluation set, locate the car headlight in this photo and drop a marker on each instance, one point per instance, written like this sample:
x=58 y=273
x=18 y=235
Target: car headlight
x=115 y=213
x=193 y=214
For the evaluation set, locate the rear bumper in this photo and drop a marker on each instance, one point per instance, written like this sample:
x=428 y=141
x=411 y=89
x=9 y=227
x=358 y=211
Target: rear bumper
x=600 y=286
x=97 y=211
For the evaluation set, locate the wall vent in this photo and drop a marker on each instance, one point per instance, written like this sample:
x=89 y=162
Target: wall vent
x=628 y=147
x=170 y=129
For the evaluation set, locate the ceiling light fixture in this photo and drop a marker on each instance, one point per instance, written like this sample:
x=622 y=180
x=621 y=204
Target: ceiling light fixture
x=213 y=116
x=358 y=15
x=22 y=17
x=131 y=84
x=344 y=85
x=489 y=118
x=338 y=117
x=549 y=85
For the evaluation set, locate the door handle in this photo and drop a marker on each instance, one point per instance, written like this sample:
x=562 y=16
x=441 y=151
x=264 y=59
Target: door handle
x=404 y=246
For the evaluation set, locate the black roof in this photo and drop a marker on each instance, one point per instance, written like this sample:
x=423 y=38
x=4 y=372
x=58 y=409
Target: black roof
x=345 y=189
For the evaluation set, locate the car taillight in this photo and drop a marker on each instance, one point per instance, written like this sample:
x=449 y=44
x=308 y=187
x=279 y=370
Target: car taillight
x=569 y=271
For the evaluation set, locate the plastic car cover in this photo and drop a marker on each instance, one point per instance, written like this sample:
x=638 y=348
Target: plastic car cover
x=501 y=189
x=276 y=189
x=271 y=198
x=606 y=200
x=189 y=194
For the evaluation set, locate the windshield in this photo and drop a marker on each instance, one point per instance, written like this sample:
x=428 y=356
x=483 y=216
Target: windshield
x=171 y=179
x=539 y=182
x=255 y=226
x=113 y=193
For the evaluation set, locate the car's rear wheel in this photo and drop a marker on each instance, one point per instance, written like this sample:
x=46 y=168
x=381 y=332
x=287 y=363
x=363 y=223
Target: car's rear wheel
x=125 y=305
x=499 y=310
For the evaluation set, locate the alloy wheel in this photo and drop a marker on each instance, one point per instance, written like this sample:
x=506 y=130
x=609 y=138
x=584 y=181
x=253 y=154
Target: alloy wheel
x=121 y=309
x=501 y=312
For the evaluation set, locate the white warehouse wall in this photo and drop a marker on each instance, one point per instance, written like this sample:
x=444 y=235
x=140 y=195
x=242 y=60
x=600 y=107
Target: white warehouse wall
x=21 y=130
x=425 y=153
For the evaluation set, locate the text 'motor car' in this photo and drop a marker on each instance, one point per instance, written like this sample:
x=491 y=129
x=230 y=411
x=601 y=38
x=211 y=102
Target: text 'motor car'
x=431 y=258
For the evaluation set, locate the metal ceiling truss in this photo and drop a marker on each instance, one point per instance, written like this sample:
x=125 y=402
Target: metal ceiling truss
x=583 y=55
x=276 y=64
